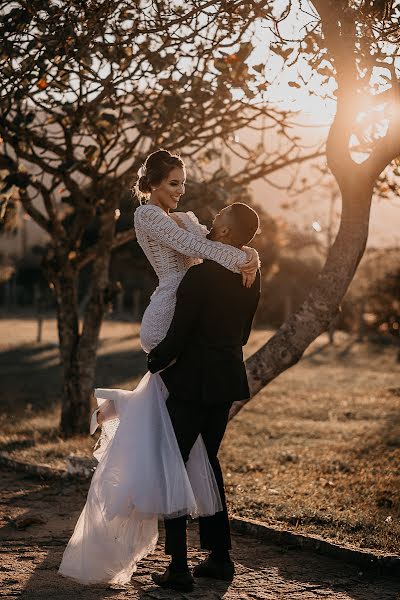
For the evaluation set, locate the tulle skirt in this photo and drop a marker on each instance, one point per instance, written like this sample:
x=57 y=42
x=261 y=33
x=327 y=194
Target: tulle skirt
x=140 y=478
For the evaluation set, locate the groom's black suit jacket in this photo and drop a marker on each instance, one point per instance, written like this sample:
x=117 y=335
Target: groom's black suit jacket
x=212 y=321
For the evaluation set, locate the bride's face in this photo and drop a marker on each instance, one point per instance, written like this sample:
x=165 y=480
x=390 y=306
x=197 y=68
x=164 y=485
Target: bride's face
x=167 y=193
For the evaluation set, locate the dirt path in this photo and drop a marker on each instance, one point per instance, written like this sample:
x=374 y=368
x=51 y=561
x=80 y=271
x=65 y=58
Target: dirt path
x=30 y=558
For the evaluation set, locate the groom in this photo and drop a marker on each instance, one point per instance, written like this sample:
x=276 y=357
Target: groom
x=212 y=321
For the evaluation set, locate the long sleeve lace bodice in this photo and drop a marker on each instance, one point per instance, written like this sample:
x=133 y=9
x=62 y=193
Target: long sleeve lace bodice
x=164 y=241
x=171 y=250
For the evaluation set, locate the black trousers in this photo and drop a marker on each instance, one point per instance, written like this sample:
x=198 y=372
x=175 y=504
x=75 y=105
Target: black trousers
x=188 y=422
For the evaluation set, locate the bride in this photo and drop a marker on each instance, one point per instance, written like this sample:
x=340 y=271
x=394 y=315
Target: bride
x=140 y=476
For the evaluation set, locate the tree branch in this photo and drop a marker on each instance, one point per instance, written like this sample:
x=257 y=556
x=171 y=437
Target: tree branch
x=339 y=35
x=91 y=253
x=386 y=149
x=33 y=212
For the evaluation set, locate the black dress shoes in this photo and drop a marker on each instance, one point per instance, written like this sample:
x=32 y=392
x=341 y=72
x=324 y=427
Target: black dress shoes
x=215 y=570
x=181 y=581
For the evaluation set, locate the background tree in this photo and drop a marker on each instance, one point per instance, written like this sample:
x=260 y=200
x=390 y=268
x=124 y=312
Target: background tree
x=386 y=304
x=87 y=90
x=373 y=298
x=354 y=47
x=295 y=269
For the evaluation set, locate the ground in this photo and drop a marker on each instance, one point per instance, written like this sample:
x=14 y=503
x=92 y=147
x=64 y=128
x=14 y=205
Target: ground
x=31 y=554
x=317 y=451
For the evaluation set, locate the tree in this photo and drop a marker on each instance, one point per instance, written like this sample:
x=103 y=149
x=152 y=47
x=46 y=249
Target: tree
x=88 y=88
x=295 y=270
x=376 y=288
x=354 y=44
x=388 y=304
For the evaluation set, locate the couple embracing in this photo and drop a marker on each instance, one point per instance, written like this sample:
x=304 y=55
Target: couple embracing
x=159 y=444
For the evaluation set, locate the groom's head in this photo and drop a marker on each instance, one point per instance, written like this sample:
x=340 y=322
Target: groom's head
x=236 y=225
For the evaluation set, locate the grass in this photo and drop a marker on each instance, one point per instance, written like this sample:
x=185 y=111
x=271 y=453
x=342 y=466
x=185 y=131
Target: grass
x=317 y=451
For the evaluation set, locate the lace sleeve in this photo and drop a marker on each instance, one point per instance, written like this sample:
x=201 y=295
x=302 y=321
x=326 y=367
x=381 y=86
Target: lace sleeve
x=156 y=223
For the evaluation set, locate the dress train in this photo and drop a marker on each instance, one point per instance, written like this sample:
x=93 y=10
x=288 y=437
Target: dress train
x=140 y=478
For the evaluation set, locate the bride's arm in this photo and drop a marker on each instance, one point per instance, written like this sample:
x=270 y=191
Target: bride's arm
x=161 y=227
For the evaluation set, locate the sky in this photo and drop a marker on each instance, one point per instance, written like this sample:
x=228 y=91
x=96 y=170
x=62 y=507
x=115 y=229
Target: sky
x=313 y=205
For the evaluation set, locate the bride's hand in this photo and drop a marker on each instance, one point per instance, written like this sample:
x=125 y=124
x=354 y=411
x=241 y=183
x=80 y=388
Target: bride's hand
x=249 y=269
x=177 y=220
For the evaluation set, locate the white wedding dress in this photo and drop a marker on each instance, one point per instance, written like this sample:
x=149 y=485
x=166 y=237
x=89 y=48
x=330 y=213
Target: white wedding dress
x=140 y=475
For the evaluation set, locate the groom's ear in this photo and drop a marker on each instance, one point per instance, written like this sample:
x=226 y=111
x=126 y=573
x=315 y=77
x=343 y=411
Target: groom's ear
x=225 y=230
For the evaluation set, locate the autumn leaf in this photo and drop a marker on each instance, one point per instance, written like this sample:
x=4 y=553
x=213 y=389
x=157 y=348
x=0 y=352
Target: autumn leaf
x=42 y=83
x=283 y=52
x=231 y=58
x=20 y=180
x=106 y=121
x=259 y=68
x=86 y=60
x=220 y=64
x=245 y=50
x=91 y=152
x=326 y=71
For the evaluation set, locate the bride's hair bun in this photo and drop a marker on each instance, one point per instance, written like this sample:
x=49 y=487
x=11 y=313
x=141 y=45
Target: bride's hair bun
x=156 y=167
x=144 y=185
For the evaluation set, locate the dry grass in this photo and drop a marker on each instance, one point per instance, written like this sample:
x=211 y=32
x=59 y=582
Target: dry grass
x=317 y=451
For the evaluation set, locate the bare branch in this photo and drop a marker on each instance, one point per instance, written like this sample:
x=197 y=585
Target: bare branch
x=387 y=149
x=33 y=212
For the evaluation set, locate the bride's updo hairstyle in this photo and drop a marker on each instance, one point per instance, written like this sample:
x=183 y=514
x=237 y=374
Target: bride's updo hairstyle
x=156 y=167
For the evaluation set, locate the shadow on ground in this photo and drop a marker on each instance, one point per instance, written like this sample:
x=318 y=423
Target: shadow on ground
x=30 y=558
x=32 y=374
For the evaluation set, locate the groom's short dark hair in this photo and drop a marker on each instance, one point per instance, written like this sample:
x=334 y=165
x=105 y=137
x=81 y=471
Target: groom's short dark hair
x=245 y=223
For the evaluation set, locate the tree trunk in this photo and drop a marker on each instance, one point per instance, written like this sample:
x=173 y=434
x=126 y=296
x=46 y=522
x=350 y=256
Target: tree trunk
x=313 y=317
x=39 y=317
x=73 y=413
x=93 y=318
x=120 y=304
x=79 y=349
x=38 y=304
